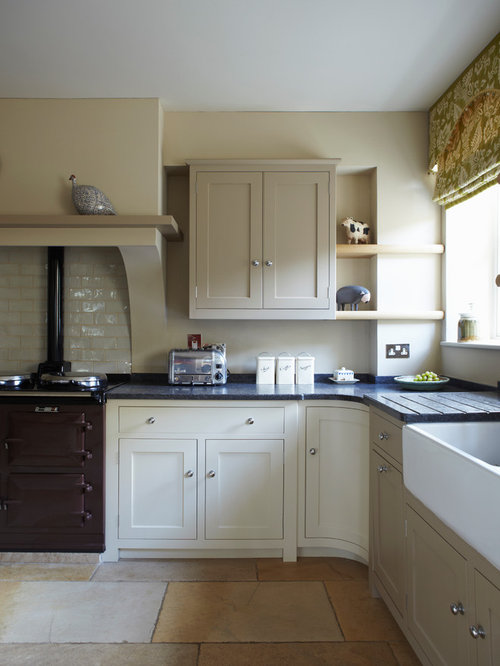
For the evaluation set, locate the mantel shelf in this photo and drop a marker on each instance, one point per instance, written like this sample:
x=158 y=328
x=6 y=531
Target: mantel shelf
x=116 y=230
x=380 y=315
x=360 y=251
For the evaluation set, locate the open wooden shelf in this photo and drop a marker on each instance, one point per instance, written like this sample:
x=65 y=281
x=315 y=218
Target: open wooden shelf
x=373 y=315
x=119 y=230
x=345 y=251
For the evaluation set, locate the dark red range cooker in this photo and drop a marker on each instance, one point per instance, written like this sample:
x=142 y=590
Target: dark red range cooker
x=52 y=448
x=51 y=472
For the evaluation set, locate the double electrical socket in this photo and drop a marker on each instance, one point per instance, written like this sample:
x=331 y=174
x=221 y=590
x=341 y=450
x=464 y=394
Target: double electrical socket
x=397 y=351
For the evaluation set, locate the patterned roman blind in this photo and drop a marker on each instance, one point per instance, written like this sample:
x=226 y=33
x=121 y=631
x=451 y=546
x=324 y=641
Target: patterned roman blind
x=464 y=130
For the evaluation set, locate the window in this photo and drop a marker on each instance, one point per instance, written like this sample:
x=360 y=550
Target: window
x=472 y=264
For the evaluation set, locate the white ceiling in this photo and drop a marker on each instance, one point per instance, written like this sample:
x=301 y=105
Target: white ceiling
x=243 y=55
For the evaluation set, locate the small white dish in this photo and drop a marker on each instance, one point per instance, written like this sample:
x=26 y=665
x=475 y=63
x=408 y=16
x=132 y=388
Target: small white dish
x=343 y=381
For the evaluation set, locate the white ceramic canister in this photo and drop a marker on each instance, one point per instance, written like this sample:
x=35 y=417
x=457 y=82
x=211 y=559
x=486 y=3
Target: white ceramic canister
x=305 y=369
x=285 y=369
x=265 y=368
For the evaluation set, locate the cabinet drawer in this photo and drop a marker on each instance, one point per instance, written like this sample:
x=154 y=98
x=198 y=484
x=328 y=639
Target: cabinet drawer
x=206 y=420
x=387 y=436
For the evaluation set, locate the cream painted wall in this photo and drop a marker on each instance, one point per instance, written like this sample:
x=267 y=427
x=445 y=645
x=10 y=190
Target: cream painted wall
x=472 y=364
x=113 y=144
x=394 y=146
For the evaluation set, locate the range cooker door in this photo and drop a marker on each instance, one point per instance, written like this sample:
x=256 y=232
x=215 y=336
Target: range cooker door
x=47 y=438
x=46 y=501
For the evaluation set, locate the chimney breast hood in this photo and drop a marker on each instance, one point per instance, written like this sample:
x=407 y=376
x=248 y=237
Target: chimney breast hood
x=141 y=240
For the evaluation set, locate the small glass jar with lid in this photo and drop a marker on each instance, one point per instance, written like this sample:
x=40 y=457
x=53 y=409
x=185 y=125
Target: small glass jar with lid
x=468 y=327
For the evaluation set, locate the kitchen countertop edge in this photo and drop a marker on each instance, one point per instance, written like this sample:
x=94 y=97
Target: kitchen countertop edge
x=455 y=404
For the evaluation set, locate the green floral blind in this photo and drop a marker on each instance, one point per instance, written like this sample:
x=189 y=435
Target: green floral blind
x=464 y=130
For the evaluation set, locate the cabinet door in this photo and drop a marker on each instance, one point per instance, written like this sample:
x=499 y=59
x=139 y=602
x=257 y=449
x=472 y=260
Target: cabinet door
x=296 y=255
x=436 y=580
x=388 y=527
x=244 y=489
x=157 y=488
x=337 y=474
x=228 y=240
x=487 y=618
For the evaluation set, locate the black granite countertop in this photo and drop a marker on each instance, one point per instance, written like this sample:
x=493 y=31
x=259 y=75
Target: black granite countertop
x=452 y=404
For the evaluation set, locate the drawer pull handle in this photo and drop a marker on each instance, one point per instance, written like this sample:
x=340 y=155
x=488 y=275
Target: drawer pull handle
x=477 y=632
x=382 y=468
x=250 y=421
x=189 y=473
x=255 y=263
x=211 y=474
x=313 y=451
x=383 y=435
x=151 y=420
x=457 y=608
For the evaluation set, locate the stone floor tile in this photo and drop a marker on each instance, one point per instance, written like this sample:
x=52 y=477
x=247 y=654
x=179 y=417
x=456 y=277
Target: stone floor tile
x=298 y=654
x=75 y=612
x=37 y=571
x=256 y=612
x=177 y=570
x=361 y=617
x=306 y=568
x=405 y=656
x=349 y=568
x=98 y=655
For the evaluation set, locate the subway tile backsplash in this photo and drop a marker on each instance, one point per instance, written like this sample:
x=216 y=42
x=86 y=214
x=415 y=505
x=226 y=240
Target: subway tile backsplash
x=96 y=310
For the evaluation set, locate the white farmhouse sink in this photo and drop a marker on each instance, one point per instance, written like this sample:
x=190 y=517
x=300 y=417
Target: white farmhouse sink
x=454 y=469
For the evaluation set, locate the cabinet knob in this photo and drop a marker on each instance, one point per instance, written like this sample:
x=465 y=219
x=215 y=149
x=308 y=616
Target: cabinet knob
x=313 y=451
x=151 y=420
x=189 y=473
x=255 y=262
x=211 y=474
x=477 y=632
x=250 y=421
x=383 y=435
x=382 y=468
x=268 y=262
x=457 y=608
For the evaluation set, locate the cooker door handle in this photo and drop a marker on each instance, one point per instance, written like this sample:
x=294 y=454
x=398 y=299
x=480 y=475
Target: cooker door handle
x=84 y=453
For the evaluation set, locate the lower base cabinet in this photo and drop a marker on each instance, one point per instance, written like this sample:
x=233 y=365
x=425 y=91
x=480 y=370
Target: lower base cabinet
x=437 y=594
x=453 y=609
x=157 y=488
x=336 y=473
x=186 y=478
x=244 y=489
x=443 y=594
x=486 y=627
x=388 y=541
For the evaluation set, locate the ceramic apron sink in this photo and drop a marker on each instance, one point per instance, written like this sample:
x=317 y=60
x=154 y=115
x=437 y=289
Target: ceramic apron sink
x=454 y=469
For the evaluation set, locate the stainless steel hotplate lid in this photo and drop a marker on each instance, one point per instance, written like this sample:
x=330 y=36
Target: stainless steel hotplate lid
x=16 y=381
x=73 y=380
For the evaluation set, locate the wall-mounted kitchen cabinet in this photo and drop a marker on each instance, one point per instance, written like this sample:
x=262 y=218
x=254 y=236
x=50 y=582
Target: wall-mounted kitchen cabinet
x=262 y=239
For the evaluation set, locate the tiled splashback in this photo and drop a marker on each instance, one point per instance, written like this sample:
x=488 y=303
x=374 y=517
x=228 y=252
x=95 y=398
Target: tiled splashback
x=96 y=310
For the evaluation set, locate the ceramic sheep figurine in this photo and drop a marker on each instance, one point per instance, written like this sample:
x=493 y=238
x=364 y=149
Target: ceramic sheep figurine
x=352 y=295
x=356 y=232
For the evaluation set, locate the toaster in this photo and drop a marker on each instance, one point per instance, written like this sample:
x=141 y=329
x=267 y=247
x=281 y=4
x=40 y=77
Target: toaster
x=206 y=366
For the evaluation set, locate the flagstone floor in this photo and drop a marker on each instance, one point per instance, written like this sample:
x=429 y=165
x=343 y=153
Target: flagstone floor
x=238 y=612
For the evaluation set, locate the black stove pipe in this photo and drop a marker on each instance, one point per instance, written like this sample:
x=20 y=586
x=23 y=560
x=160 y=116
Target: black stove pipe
x=55 y=337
